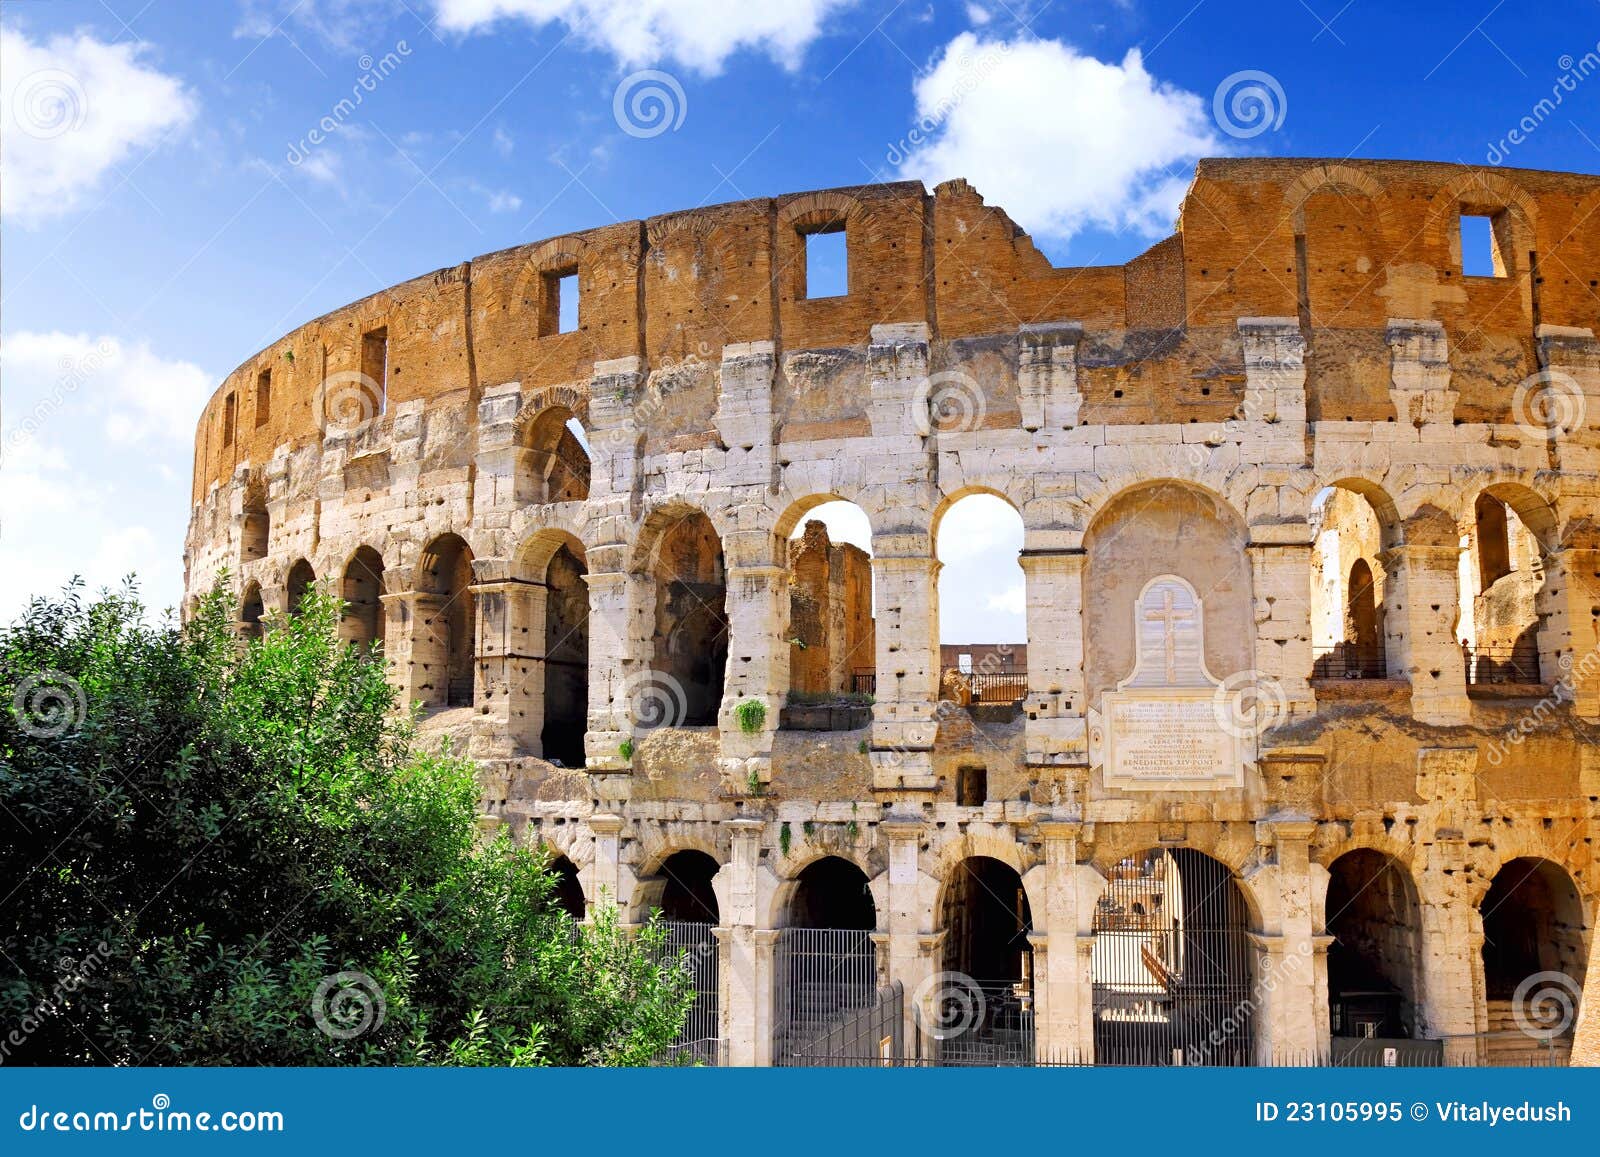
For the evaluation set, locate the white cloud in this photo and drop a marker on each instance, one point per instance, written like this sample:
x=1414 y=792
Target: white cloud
x=1061 y=141
x=70 y=109
x=502 y=141
x=138 y=396
x=97 y=445
x=1011 y=601
x=501 y=201
x=698 y=34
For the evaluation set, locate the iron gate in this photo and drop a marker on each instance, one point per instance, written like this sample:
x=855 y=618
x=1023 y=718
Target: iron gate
x=1172 y=964
x=700 y=1040
x=823 y=978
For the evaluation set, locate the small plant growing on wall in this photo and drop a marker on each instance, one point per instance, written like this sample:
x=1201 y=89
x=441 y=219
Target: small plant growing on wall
x=752 y=782
x=784 y=838
x=625 y=749
x=752 y=715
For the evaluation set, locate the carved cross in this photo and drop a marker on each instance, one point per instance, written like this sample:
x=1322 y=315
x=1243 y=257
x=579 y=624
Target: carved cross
x=1169 y=616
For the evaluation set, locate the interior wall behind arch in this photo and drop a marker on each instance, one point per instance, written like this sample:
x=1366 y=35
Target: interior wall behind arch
x=1167 y=528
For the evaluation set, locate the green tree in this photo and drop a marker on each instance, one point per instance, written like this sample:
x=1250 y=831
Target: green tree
x=219 y=853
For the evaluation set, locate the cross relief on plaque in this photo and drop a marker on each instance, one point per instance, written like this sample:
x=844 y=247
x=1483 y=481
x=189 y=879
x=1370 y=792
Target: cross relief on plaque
x=1162 y=727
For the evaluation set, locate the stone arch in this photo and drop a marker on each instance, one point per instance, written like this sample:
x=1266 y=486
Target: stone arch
x=255 y=524
x=1483 y=193
x=444 y=627
x=362 y=589
x=1354 y=528
x=550 y=685
x=1337 y=178
x=1508 y=580
x=831 y=891
x=681 y=551
x=1173 y=965
x=567 y=891
x=1374 y=915
x=975 y=896
x=832 y=635
x=1165 y=526
x=983 y=660
x=251 y=611
x=554 y=465
x=302 y=576
x=1534 y=920
x=681 y=887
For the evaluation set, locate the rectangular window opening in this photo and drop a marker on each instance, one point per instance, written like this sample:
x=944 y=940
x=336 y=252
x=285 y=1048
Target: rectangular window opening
x=827 y=262
x=263 y=398
x=1480 y=247
x=561 y=297
x=972 y=786
x=230 y=415
x=375 y=366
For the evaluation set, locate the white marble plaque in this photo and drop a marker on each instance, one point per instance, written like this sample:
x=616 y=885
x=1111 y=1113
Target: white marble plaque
x=1162 y=728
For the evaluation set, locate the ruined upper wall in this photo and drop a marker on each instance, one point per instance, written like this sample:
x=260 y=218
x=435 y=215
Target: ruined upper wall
x=1342 y=245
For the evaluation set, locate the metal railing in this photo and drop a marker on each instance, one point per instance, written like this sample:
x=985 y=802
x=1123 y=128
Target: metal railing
x=864 y=682
x=868 y=1038
x=1516 y=663
x=1345 y=661
x=694 y=946
x=996 y=686
x=1002 y=1031
x=825 y=977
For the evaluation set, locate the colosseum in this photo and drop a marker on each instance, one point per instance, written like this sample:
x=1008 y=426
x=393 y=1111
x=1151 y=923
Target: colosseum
x=1297 y=761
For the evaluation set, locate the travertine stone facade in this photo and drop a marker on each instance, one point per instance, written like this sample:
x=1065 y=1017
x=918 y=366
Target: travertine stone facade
x=1378 y=475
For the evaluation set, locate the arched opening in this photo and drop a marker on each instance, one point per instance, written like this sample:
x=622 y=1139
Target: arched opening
x=987 y=921
x=250 y=612
x=832 y=647
x=1375 y=958
x=1348 y=538
x=1534 y=959
x=558 y=457
x=446 y=623
x=825 y=959
x=255 y=526
x=1502 y=578
x=982 y=609
x=682 y=894
x=690 y=645
x=362 y=624
x=301 y=576
x=567 y=892
x=1172 y=964
x=566 y=657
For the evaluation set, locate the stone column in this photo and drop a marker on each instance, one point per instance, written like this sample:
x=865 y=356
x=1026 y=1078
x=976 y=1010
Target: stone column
x=758 y=653
x=1421 y=596
x=1569 y=630
x=1452 y=944
x=1063 y=944
x=1047 y=375
x=746 y=952
x=1419 y=367
x=621 y=609
x=603 y=877
x=904 y=926
x=510 y=666
x=1280 y=575
x=906 y=628
x=419 y=659
x=1056 y=704
x=1291 y=982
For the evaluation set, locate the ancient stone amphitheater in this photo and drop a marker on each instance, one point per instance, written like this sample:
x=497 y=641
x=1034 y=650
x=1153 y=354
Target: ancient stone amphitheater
x=1298 y=760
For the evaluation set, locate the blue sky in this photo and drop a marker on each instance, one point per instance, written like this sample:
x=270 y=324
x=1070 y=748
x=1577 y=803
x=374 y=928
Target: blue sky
x=164 y=212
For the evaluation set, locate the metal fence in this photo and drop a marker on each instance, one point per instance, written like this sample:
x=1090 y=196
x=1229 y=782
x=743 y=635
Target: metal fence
x=1001 y=1031
x=994 y=686
x=864 y=682
x=1517 y=663
x=825 y=978
x=1349 y=662
x=871 y=1037
x=699 y=1042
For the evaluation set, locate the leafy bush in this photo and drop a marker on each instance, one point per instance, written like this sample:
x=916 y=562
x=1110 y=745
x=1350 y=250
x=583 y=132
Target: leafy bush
x=227 y=854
